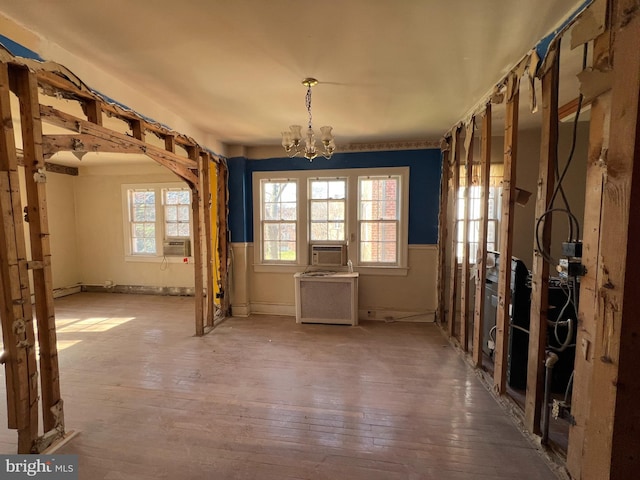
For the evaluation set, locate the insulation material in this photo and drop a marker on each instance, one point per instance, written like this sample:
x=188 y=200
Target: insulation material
x=594 y=83
x=591 y=24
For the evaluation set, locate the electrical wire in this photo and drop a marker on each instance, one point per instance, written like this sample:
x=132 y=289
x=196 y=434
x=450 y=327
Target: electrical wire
x=574 y=224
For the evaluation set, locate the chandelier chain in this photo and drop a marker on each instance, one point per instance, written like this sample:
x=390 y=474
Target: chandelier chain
x=308 y=102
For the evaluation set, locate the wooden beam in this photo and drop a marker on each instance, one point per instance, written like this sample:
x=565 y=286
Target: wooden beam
x=197 y=209
x=481 y=275
x=93 y=111
x=71 y=90
x=17 y=316
x=205 y=186
x=40 y=248
x=453 y=263
x=180 y=165
x=506 y=236
x=223 y=235
x=540 y=267
x=465 y=284
x=170 y=143
x=588 y=307
x=442 y=237
x=138 y=129
x=611 y=440
x=62 y=169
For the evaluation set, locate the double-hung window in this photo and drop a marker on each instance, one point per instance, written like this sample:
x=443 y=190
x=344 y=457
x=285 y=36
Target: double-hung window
x=279 y=220
x=153 y=214
x=364 y=209
x=327 y=209
x=379 y=219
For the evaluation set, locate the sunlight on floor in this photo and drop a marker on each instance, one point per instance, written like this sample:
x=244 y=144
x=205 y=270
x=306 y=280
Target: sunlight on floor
x=96 y=324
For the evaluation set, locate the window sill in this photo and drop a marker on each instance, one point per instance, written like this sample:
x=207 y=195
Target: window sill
x=363 y=271
x=156 y=259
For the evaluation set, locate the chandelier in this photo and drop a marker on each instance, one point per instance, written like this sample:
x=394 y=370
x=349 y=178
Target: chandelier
x=292 y=140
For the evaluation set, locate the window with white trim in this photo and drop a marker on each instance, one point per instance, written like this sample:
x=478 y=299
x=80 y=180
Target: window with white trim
x=155 y=213
x=378 y=219
x=279 y=220
x=475 y=208
x=364 y=208
x=327 y=209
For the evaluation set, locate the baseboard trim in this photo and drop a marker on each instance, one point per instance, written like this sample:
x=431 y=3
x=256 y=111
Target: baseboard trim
x=141 y=290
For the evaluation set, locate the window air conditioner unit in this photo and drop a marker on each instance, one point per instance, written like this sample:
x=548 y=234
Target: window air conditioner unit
x=176 y=247
x=328 y=255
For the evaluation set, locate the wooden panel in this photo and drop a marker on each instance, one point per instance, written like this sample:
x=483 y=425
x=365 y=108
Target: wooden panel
x=40 y=248
x=453 y=262
x=540 y=267
x=481 y=275
x=506 y=237
x=465 y=288
x=442 y=236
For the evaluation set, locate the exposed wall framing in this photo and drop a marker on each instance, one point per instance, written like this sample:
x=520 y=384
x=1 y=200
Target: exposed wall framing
x=603 y=438
x=85 y=135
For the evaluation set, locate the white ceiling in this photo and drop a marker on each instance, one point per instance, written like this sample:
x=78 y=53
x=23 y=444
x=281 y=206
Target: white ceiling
x=389 y=70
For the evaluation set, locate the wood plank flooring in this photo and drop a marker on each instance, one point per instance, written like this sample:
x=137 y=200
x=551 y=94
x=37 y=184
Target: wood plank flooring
x=265 y=398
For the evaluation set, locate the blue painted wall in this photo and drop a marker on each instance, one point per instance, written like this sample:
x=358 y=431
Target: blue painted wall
x=424 y=186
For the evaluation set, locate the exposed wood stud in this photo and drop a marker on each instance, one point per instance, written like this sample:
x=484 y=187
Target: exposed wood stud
x=540 y=267
x=103 y=137
x=453 y=262
x=205 y=186
x=588 y=311
x=442 y=237
x=17 y=316
x=611 y=441
x=465 y=283
x=93 y=111
x=138 y=129
x=481 y=275
x=170 y=143
x=197 y=210
x=40 y=247
x=223 y=235
x=506 y=236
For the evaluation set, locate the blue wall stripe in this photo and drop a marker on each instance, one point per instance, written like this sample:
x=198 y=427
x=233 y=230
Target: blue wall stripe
x=424 y=186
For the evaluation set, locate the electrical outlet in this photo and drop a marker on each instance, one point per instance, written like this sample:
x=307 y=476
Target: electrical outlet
x=371 y=314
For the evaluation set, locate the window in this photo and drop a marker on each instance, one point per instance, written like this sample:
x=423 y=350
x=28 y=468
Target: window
x=177 y=212
x=142 y=214
x=153 y=214
x=378 y=218
x=365 y=209
x=327 y=209
x=279 y=215
x=474 y=220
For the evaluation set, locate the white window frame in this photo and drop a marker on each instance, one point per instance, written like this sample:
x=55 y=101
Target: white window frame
x=351 y=225
x=494 y=219
x=264 y=222
x=381 y=221
x=159 y=189
x=311 y=201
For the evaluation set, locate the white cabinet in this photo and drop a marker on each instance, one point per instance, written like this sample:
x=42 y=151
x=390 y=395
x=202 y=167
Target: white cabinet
x=327 y=298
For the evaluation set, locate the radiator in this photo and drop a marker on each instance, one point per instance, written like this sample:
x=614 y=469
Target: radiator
x=329 y=298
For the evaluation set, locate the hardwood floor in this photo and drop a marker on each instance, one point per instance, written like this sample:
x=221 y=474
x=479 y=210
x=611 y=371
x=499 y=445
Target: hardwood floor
x=265 y=398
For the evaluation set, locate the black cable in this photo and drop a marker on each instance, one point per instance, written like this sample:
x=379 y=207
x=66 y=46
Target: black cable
x=573 y=221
